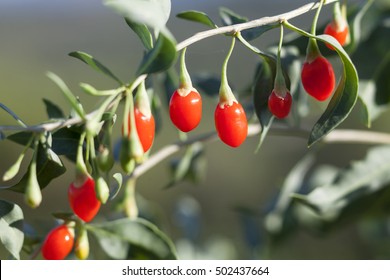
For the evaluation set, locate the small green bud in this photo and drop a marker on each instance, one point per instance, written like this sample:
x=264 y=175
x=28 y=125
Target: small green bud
x=126 y=160
x=102 y=190
x=105 y=159
x=81 y=248
x=32 y=195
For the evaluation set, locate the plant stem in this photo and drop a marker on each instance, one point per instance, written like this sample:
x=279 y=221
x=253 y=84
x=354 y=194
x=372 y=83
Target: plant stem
x=185 y=79
x=336 y=136
x=280 y=84
x=226 y=95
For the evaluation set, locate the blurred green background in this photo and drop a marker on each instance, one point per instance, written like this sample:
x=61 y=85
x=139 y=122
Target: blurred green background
x=37 y=35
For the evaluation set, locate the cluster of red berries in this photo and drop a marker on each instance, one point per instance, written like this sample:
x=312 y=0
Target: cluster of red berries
x=85 y=204
x=317 y=76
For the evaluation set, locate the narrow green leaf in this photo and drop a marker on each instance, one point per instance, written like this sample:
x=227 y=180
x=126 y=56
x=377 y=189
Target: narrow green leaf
x=263 y=85
x=22 y=138
x=382 y=81
x=53 y=111
x=361 y=179
x=142 y=32
x=68 y=94
x=119 y=237
x=11 y=228
x=115 y=190
x=356 y=20
x=274 y=220
x=207 y=83
x=49 y=167
x=229 y=18
x=181 y=167
x=161 y=57
x=65 y=142
x=197 y=16
x=95 y=64
x=12 y=114
x=153 y=13
x=94 y=92
x=170 y=83
x=344 y=98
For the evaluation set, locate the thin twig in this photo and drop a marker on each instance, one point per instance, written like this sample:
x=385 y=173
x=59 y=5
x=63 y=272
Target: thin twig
x=336 y=136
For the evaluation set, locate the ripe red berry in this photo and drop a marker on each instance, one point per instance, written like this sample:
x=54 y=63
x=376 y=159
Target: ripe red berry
x=338 y=31
x=185 y=110
x=145 y=128
x=231 y=123
x=318 y=78
x=58 y=243
x=278 y=105
x=83 y=200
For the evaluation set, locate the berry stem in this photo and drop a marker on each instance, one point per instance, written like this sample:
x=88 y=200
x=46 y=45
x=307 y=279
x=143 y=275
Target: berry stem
x=313 y=51
x=226 y=95
x=81 y=168
x=280 y=83
x=185 y=79
x=130 y=203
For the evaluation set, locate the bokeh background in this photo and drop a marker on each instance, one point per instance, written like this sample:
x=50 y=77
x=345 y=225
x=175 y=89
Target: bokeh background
x=37 y=35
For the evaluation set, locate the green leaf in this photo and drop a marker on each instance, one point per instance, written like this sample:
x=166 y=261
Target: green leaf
x=344 y=98
x=11 y=227
x=367 y=90
x=53 y=111
x=382 y=81
x=153 y=13
x=170 y=83
x=22 y=138
x=115 y=190
x=12 y=114
x=95 y=64
x=230 y=18
x=263 y=86
x=361 y=179
x=65 y=142
x=207 y=83
x=197 y=16
x=94 y=92
x=68 y=94
x=274 y=220
x=161 y=57
x=119 y=237
x=366 y=16
x=49 y=167
x=156 y=109
x=187 y=166
x=142 y=32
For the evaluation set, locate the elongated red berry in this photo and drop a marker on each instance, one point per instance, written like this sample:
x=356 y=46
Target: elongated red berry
x=145 y=128
x=185 y=109
x=58 y=243
x=231 y=123
x=83 y=200
x=279 y=105
x=338 y=31
x=318 y=78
